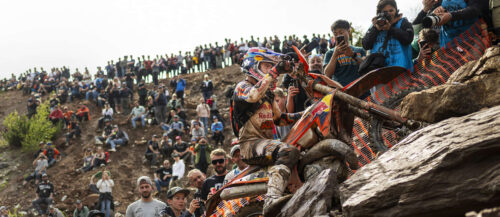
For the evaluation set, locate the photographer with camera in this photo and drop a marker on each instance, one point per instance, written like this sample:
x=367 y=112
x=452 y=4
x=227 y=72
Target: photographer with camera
x=391 y=35
x=428 y=42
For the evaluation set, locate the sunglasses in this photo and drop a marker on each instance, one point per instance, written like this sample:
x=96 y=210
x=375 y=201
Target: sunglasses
x=219 y=161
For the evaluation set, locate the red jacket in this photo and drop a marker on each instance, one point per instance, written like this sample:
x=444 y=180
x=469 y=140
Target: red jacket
x=56 y=114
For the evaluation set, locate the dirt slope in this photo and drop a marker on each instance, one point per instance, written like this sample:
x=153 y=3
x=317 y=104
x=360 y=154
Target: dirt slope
x=126 y=164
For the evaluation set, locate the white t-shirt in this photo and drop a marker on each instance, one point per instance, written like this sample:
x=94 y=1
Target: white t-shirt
x=145 y=209
x=105 y=185
x=178 y=169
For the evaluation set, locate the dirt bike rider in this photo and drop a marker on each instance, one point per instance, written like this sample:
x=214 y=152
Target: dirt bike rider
x=254 y=116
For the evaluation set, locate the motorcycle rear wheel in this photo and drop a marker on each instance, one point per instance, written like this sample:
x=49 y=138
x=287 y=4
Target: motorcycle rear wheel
x=380 y=136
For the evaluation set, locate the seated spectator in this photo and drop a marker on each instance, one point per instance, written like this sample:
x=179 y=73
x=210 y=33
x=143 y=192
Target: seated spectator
x=53 y=102
x=138 y=113
x=67 y=115
x=73 y=130
x=170 y=116
x=54 y=212
x=153 y=151
x=100 y=158
x=102 y=98
x=88 y=158
x=202 y=150
x=83 y=113
x=238 y=162
x=182 y=149
x=176 y=200
x=391 y=37
x=176 y=128
x=217 y=130
x=45 y=194
x=214 y=183
x=52 y=154
x=56 y=115
x=106 y=132
x=80 y=209
x=117 y=137
x=203 y=112
x=166 y=147
x=172 y=104
x=182 y=115
x=163 y=175
x=107 y=114
x=41 y=150
x=178 y=170
x=41 y=164
x=197 y=132
x=105 y=186
x=342 y=62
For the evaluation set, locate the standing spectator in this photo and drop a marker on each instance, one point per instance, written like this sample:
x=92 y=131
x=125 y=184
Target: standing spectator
x=396 y=33
x=212 y=102
x=163 y=176
x=138 y=112
x=73 y=130
x=54 y=212
x=32 y=105
x=40 y=164
x=182 y=149
x=179 y=90
x=80 y=209
x=206 y=87
x=161 y=105
x=238 y=161
x=45 y=194
x=52 y=154
x=214 y=183
x=196 y=179
x=147 y=206
x=178 y=169
x=126 y=95
x=83 y=113
x=176 y=199
x=217 y=130
x=202 y=150
x=203 y=111
x=143 y=94
x=153 y=151
x=105 y=186
x=342 y=62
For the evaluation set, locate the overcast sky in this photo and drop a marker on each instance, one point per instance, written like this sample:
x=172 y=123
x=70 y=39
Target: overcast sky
x=53 y=33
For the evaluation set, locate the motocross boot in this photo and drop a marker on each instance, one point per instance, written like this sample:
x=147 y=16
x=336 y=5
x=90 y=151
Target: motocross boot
x=278 y=181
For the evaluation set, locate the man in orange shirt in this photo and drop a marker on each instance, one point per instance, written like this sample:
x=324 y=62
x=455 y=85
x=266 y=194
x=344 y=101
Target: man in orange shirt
x=83 y=113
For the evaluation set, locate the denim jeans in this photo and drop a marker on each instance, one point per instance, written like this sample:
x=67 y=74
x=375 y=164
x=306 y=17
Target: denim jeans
x=114 y=142
x=106 y=207
x=92 y=94
x=204 y=120
x=134 y=119
x=161 y=183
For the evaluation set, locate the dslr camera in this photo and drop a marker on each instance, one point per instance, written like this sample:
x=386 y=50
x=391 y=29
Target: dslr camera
x=430 y=21
x=383 y=18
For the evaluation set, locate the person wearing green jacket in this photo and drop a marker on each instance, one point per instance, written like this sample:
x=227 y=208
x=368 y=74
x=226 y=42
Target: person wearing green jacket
x=202 y=150
x=81 y=210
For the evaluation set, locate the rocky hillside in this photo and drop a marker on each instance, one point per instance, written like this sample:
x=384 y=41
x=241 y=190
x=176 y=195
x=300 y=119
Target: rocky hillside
x=126 y=164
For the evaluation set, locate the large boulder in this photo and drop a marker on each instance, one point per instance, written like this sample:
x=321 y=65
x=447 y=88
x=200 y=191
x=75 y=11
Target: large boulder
x=445 y=169
x=472 y=87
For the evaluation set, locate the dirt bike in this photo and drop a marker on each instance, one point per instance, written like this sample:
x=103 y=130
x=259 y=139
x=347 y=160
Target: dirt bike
x=322 y=135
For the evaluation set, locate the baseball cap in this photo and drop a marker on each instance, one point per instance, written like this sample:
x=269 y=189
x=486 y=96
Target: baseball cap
x=178 y=137
x=234 y=149
x=78 y=201
x=45 y=175
x=156 y=136
x=165 y=134
x=214 y=117
x=175 y=190
x=175 y=155
x=2 y=208
x=144 y=179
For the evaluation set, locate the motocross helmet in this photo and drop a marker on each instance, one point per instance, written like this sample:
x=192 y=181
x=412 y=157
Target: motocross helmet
x=254 y=57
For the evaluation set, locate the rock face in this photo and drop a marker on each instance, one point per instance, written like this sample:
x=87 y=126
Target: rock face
x=445 y=169
x=494 y=212
x=472 y=87
x=314 y=198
